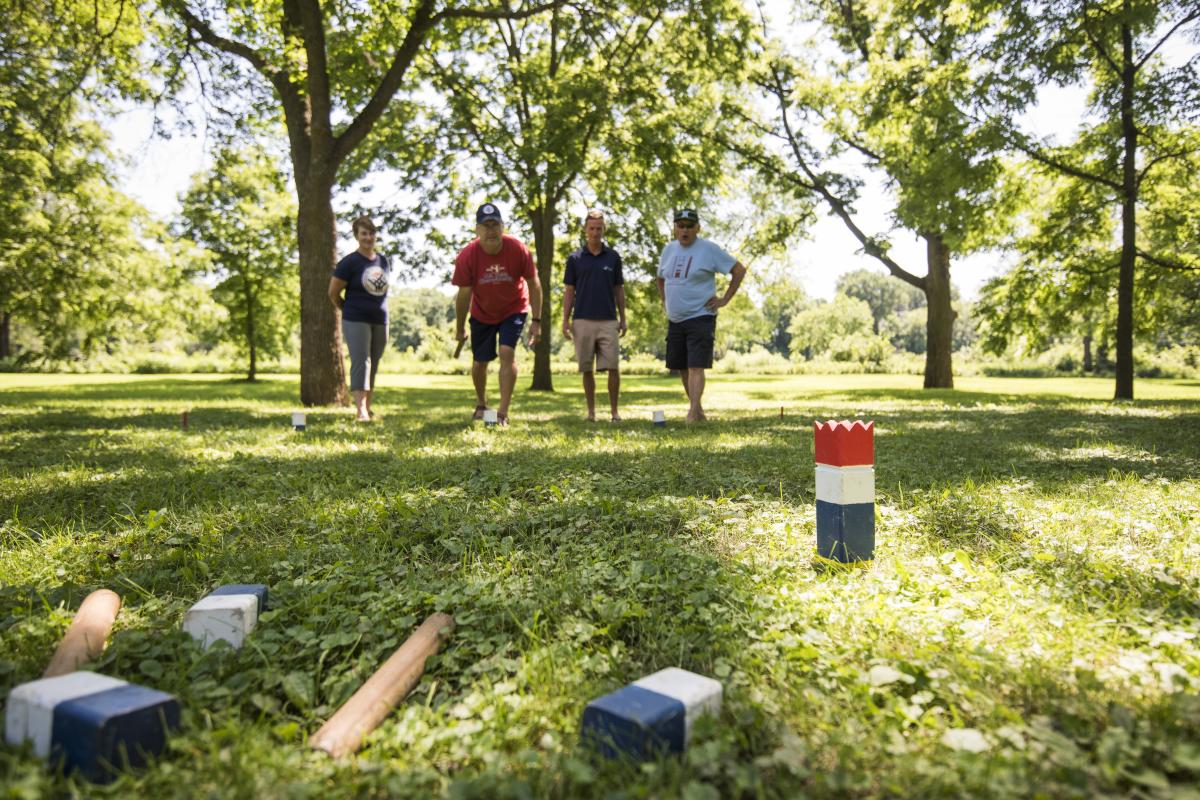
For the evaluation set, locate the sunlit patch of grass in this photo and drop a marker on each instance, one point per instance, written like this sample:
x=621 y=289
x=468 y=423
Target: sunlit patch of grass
x=1028 y=626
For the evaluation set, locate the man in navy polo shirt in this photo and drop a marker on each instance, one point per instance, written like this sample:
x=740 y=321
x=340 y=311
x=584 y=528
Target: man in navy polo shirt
x=594 y=291
x=687 y=286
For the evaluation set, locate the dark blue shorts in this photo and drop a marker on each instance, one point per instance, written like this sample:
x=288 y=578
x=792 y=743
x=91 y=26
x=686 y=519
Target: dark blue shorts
x=483 y=336
x=690 y=343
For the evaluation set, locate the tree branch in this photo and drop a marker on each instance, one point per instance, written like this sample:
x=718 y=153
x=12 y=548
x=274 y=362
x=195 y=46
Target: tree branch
x=1166 y=263
x=1195 y=15
x=360 y=126
x=870 y=246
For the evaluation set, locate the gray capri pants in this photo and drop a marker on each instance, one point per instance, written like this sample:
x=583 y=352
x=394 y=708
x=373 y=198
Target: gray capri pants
x=366 y=342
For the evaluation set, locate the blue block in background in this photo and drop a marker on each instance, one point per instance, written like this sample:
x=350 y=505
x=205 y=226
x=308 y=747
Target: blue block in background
x=846 y=533
x=106 y=730
x=635 y=723
x=259 y=590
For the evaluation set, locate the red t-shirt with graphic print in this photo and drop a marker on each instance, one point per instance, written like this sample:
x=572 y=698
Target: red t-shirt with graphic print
x=498 y=283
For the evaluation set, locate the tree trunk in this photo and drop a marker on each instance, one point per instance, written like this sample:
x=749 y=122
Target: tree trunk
x=939 y=319
x=1088 y=364
x=543 y=245
x=322 y=374
x=5 y=336
x=1129 y=193
x=248 y=296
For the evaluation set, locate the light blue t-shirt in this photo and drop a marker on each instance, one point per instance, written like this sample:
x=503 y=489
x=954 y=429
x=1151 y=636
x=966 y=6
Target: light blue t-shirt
x=690 y=277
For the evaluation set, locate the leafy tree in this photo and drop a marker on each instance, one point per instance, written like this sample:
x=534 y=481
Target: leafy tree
x=887 y=298
x=568 y=102
x=242 y=213
x=332 y=71
x=1138 y=104
x=815 y=329
x=411 y=311
x=54 y=58
x=893 y=98
x=783 y=299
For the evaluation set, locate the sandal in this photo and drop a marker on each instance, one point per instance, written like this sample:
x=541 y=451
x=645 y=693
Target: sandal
x=479 y=412
x=502 y=420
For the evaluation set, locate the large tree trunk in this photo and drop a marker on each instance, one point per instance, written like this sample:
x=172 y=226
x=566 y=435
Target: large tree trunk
x=248 y=296
x=1129 y=192
x=939 y=319
x=322 y=375
x=5 y=335
x=1088 y=364
x=543 y=245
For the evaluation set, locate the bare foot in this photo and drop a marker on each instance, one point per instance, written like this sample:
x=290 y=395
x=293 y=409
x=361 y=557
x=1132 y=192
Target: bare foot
x=591 y=417
x=615 y=418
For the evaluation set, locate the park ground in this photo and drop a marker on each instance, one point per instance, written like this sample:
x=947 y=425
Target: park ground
x=1028 y=627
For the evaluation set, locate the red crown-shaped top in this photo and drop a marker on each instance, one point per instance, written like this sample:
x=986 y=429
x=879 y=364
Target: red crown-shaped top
x=844 y=444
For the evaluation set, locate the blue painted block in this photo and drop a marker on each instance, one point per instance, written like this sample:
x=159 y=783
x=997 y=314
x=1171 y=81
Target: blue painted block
x=635 y=723
x=846 y=532
x=99 y=732
x=259 y=590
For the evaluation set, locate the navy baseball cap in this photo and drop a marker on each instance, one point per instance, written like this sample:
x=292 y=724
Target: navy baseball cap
x=687 y=215
x=488 y=212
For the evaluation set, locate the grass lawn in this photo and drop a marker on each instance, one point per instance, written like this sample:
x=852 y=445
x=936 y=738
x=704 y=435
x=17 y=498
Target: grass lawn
x=1027 y=629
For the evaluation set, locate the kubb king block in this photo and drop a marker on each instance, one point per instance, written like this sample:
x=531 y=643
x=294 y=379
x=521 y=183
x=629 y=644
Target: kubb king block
x=228 y=614
x=92 y=722
x=845 y=456
x=651 y=715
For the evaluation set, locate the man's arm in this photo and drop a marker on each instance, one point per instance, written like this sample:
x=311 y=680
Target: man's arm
x=662 y=294
x=736 y=275
x=535 y=308
x=619 y=294
x=462 y=304
x=568 y=304
x=335 y=292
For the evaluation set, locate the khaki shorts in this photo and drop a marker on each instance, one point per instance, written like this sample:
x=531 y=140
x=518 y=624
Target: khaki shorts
x=596 y=339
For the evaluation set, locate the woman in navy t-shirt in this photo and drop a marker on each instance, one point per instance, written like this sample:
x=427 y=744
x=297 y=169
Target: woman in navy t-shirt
x=364 y=276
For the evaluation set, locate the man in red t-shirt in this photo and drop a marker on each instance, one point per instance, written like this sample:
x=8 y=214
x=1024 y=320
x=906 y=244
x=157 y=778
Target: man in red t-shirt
x=496 y=280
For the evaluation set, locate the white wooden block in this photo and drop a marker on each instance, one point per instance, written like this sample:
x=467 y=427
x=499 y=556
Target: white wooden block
x=225 y=617
x=845 y=485
x=29 y=713
x=700 y=695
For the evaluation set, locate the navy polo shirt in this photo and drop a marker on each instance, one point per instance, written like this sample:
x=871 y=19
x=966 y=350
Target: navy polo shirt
x=594 y=278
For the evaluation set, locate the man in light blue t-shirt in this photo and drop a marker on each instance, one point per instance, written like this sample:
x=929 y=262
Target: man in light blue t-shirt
x=687 y=286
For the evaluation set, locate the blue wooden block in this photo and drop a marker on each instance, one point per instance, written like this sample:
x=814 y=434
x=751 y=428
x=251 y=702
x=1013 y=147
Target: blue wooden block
x=846 y=532
x=100 y=732
x=259 y=590
x=635 y=723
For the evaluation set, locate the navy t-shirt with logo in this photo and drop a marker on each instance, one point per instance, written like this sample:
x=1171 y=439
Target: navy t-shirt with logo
x=594 y=278
x=366 y=287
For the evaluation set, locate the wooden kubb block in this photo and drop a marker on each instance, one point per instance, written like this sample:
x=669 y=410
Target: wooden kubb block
x=92 y=723
x=228 y=614
x=650 y=716
x=845 y=478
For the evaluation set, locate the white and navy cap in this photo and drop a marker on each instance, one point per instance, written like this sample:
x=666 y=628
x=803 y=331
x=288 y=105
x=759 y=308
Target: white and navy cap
x=687 y=215
x=488 y=212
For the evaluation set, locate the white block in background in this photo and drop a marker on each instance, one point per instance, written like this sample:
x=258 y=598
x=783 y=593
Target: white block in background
x=845 y=485
x=227 y=617
x=700 y=695
x=29 y=712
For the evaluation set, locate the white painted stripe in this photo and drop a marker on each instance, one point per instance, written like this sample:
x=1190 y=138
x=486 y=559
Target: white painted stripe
x=845 y=485
x=29 y=714
x=700 y=695
x=227 y=617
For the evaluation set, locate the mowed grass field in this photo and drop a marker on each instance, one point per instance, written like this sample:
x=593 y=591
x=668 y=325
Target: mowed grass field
x=1029 y=627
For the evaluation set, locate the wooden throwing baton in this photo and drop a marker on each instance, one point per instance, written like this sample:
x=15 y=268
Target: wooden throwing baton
x=89 y=631
x=374 y=700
